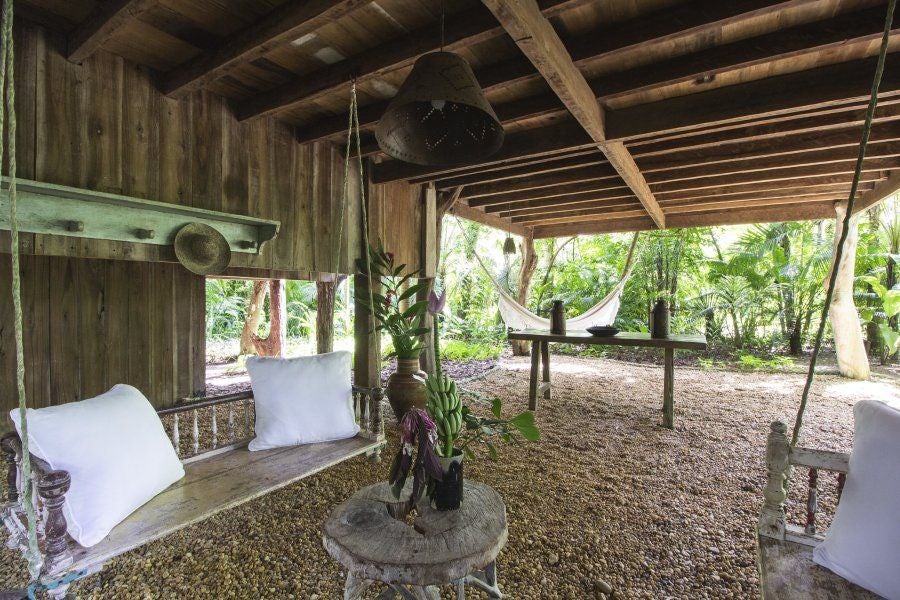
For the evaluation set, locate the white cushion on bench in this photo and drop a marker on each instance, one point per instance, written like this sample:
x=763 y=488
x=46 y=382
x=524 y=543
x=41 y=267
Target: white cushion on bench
x=863 y=543
x=115 y=450
x=301 y=400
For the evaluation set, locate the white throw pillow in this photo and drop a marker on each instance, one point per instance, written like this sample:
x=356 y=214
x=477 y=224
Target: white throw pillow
x=114 y=448
x=301 y=400
x=863 y=543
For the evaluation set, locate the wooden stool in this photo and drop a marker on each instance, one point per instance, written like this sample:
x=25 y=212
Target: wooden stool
x=373 y=536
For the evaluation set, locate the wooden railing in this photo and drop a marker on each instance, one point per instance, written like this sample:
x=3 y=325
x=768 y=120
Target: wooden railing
x=781 y=460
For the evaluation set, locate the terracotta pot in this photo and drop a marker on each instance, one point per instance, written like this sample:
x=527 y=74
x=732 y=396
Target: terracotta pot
x=447 y=494
x=406 y=386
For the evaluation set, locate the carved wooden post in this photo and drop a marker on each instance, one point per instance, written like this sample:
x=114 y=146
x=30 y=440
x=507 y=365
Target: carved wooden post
x=195 y=434
x=176 y=435
x=52 y=489
x=9 y=446
x=215 y=428
x=812 y=501
x=231 y=433
x=778 y=448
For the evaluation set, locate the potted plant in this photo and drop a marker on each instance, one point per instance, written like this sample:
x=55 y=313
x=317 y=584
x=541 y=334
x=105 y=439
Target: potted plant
x=400 y=316
x=458 y=430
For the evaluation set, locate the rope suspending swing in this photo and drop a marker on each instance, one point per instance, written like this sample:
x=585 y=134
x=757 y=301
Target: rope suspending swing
x=845 y=224
x=8 y=126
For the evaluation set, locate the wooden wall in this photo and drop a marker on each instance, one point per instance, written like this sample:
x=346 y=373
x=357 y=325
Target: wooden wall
x=103 y=126
x=90 y=324
x=99 y=312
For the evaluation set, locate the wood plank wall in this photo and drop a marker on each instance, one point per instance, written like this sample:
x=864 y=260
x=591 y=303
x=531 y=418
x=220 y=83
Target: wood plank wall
x=103 y=126
x=90 y=324
x=101 y=312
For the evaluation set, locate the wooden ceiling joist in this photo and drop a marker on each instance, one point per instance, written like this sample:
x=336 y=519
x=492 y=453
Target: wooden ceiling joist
x=538 y=40
x=884 y=189
x=765 y=214
x=460 y=209
x=285 y=23
x=101 y=25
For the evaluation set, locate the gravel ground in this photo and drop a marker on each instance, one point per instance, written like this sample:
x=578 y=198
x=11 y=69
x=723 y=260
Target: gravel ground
x=606 y=496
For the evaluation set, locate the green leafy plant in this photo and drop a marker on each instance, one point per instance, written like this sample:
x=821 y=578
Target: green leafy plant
x=396 y=312
x=480 y=431
x=890 y=305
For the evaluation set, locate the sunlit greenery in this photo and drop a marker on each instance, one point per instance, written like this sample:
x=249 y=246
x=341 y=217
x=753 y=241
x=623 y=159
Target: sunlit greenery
x=756 y=291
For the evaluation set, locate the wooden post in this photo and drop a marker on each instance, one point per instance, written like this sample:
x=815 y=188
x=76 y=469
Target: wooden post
x=52 y=489
x=669 y=389
x=778 y=448
x=535 y=365
x=429 y=251
x=545 y=360
x=367 y=356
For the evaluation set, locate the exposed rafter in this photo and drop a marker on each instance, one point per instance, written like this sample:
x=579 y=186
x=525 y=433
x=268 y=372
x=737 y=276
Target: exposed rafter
x=283 y=24
x=460 y=209
x=881 y=191
x=101 y=24
x=537 y=39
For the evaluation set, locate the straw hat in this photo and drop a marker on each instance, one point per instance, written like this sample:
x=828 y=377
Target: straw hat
x=202 y=249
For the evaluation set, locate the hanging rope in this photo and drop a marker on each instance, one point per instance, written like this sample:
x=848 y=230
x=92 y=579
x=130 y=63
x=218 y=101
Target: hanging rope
x=845 y=224
x=8 y=124
x=353 y=135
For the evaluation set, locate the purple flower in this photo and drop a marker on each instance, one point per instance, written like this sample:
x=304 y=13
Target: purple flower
x=436 y=303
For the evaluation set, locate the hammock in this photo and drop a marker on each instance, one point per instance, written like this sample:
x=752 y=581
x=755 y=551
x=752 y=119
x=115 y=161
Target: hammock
x=604 y=312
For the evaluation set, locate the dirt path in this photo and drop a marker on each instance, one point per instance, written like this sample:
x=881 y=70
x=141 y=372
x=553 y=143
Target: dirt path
x=605 y=495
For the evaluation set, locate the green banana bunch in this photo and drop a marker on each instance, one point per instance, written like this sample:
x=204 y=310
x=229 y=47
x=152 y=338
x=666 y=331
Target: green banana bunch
x=445 y=407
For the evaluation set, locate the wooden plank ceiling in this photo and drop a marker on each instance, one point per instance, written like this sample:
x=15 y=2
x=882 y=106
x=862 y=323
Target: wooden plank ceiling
x=620 y=114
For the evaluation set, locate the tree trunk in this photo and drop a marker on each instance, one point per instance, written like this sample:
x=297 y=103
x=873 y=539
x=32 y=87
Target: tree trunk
x=325 y=294
x=529 y=264
x=273 y=345
x=848 y=340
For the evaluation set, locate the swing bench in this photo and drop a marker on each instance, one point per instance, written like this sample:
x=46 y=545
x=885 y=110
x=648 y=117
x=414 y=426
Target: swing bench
x=785 y=550
x=217 y=478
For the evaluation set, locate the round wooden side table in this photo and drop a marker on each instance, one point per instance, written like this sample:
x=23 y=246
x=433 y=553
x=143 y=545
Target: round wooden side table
x=376 y=538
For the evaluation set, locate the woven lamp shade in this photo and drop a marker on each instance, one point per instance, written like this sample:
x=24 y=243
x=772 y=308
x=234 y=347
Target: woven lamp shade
x=440 y=115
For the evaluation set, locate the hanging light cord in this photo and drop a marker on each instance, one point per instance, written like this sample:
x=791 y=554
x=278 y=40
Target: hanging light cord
x=845 y=225
x=443 y=17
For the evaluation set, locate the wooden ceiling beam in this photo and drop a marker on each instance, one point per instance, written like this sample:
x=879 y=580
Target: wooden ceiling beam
x=784 y=94
x=741 y=189
x=838 y=33
x=629 y=202
x=577 y=160
x=581 y=216
x=590 y=173
x=102 y=23
x=766 y=214
x=537 y=39
x=569 y=202
x=283 y=24
x=804 y=150
x=462 y=210
x=775 y=175
x=884 y=189
x=555 y=191
x=566 y=136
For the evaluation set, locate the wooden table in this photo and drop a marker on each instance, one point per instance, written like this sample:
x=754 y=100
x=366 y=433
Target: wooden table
x=540 y=353
x=370 y=536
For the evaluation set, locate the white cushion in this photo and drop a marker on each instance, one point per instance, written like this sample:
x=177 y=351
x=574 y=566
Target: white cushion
x=863 y=543
x=301 y=400
x=114 y=448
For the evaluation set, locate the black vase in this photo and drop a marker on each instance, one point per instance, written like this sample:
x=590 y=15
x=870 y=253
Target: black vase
x=659 y=320
x=447 y=494
x=558 y=317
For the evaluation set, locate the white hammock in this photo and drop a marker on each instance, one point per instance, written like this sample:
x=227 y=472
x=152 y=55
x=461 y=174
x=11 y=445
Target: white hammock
x=604 y=312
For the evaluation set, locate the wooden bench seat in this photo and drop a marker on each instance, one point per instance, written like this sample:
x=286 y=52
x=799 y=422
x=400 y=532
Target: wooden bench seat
x=215 y=484
x=219 y=475
x=787 y=571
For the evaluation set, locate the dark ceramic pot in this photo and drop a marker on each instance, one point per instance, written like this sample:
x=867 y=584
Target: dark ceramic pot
x=447 y=494
x=406 y=387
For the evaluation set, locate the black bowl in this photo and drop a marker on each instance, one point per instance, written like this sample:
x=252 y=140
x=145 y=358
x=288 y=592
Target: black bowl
x=602 y=330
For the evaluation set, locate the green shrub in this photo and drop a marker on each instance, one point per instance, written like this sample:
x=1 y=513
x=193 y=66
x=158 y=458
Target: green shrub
x=461 y=350
x=748 y=362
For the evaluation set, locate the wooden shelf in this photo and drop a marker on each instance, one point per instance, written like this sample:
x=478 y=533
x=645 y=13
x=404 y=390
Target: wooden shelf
x=61 y=210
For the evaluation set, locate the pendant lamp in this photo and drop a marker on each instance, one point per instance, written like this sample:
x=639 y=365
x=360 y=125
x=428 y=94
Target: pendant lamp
x=509 y=246
x=440 y=115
